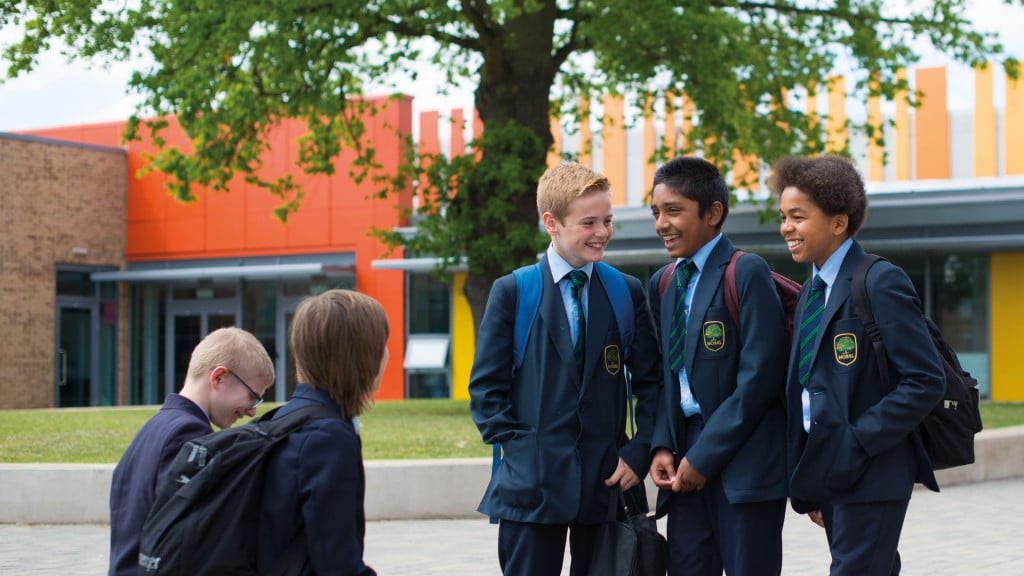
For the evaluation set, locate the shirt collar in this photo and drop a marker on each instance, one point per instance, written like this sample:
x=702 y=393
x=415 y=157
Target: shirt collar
x=830 y=271
x=702 y=255
x=559 y=267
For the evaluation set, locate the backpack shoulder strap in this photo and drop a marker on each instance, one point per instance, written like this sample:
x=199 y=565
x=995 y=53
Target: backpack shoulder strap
x=529 y=282
x=666 y=277
x=293 y=420
x=862 y=305
x=622 y=304
x=732 y=298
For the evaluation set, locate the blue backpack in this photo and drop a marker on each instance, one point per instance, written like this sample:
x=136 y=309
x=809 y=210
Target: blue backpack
x=529 y=284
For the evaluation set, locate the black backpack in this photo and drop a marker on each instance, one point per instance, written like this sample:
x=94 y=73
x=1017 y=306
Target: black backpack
x=205 y=519
x=948 y=430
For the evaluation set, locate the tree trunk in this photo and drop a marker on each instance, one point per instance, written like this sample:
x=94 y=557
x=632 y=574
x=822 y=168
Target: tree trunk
x=515 y=86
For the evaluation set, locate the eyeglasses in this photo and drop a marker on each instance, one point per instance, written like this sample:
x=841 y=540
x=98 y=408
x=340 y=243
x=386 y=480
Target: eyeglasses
x=256 y=398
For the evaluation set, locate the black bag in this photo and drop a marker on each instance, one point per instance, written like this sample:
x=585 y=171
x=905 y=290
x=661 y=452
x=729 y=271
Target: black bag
x=948 y=430
x=628 y=543
x=205 y=519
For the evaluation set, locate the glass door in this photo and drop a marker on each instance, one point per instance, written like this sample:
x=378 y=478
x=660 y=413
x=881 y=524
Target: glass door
x=185 y=330
x=74 y=356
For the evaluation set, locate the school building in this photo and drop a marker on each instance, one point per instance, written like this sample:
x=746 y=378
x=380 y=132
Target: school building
x=106 y=282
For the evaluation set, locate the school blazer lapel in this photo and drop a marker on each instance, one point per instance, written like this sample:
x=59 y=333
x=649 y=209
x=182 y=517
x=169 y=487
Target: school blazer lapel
x=554 y=324
x=599 y=321
x=710 y=278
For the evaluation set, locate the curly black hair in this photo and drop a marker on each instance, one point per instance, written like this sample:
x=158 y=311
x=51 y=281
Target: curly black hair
x=831 y=182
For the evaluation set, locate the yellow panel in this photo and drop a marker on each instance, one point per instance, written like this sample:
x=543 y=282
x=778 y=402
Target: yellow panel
x=1013 y=131
x=613 y=144
x=984 y=124
x=463 y=338
x=650 y=140
x=931 y=125
x=836 y=123
x=876 y=153
x=812 y=108
x=1006 y=275
x=586 y=140
x=744 y=171
x=555 y=152
x=902 y=132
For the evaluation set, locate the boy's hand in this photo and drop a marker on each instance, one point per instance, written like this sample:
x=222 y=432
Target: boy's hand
x=816 y=517
x=623 y=476
x=663 y=470
x=687 y=478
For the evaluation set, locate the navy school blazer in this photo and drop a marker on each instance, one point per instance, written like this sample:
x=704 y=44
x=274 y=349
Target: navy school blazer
x=561 y=435
x=737 y=377
x=862 y=446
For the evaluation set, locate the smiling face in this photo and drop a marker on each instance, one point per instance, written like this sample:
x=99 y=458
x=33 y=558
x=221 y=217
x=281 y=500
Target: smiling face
x=586 y=230
x=678 y=222
x=230 y=399
x=810 y=234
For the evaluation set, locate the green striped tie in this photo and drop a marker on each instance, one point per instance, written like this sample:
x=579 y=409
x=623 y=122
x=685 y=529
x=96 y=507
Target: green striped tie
x=811 y=319
x=579 y=280
x=678 y=336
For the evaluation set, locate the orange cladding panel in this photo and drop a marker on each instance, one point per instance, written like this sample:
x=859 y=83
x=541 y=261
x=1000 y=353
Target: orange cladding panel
x=931 y=125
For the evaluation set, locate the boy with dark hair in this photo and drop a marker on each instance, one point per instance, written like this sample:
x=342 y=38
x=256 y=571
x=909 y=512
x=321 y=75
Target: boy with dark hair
x=561 y=416
x=718 y=447
x=227 y=375
x=853 y=453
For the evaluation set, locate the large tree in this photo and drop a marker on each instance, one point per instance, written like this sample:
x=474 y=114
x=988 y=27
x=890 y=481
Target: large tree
x=229 y=70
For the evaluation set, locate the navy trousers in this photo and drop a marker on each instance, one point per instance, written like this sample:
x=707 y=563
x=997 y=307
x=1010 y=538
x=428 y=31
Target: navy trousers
x=526 y=549
x=707 y=534
x=863 y=538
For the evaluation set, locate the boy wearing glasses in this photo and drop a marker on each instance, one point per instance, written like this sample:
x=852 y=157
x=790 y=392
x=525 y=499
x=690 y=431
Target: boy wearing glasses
x=212 y=393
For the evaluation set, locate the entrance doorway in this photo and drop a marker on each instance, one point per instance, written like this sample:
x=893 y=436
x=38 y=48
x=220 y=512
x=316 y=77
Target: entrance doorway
x=190 y=323
x=75 y=355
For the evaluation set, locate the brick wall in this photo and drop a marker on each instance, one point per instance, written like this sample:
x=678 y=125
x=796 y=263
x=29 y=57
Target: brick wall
x=54 y=196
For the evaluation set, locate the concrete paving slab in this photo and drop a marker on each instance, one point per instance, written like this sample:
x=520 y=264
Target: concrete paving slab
x=966 y=530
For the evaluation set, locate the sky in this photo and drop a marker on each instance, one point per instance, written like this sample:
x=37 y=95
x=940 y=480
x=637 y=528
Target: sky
x=58 y=93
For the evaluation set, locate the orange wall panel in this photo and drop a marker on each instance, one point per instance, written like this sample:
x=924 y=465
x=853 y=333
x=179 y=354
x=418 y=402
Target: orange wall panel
x=225 y=233
x=145 y=238
x=1013 y=128
x=985 y=159
x=931 y=125
x=187 y=235
x=613 y=144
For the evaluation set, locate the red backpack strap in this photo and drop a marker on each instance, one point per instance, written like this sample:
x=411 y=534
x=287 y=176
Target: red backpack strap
x=666 y=277
x=732 y=298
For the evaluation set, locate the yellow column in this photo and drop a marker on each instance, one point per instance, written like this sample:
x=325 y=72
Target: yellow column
x=613 y=146
x=685 y=145
x=1006 y=275
x=931 y=125
x=555 y=152
x=985 y=161
x=1013 y=127
x=586 y=138
x=463 y=338
x=901 y=154
x=876 y=148
x=836 y=123
x=650 y=140
x=669 y=139
x=811 y=110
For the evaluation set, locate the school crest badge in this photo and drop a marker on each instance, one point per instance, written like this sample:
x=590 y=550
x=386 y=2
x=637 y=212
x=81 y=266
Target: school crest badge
x=714 y=335
x=845 y=347
x=612 y=359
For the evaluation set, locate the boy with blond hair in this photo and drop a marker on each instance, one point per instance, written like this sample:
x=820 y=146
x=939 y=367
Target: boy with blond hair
x=228 y=373
x=560 y=416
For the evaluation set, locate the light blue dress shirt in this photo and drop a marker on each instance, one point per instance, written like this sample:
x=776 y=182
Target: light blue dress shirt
x=828 y=273
x=687 y=402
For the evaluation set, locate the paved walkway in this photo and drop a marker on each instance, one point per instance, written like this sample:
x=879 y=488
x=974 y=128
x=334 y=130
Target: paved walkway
x=971 y=530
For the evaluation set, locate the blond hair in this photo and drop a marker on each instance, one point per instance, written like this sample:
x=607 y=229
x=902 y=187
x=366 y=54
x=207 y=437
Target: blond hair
x=338 y=339
x=562 y=184
x=234 y=349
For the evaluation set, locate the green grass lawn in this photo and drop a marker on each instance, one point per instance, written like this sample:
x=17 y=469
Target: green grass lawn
x=390 y=430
